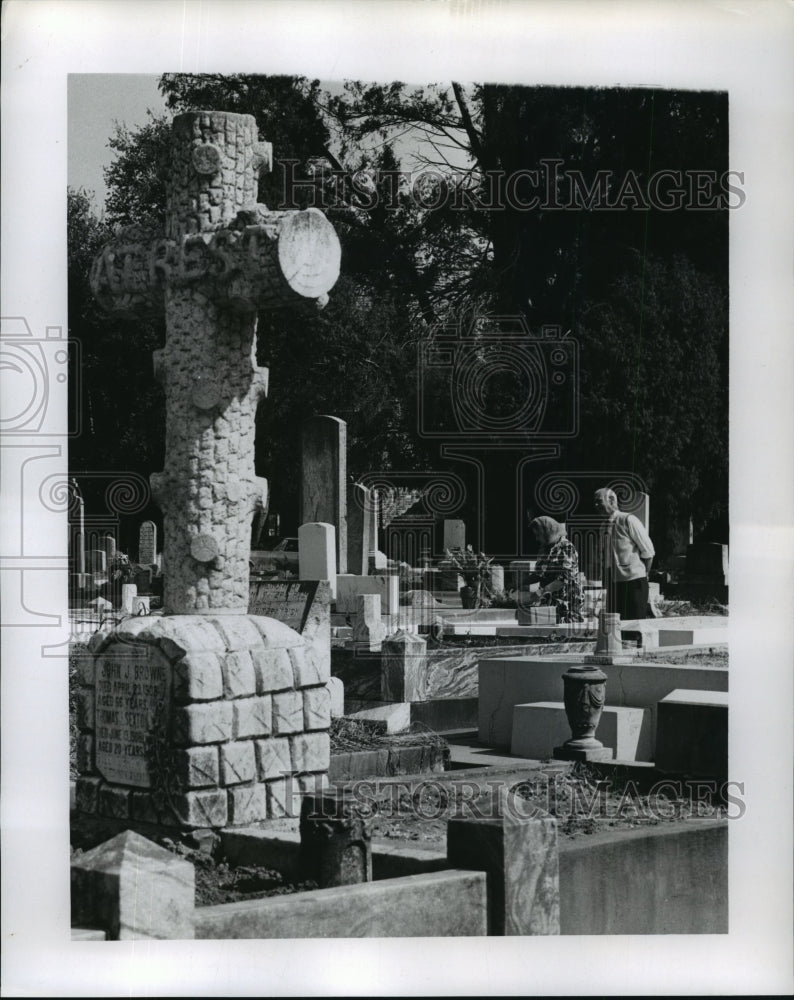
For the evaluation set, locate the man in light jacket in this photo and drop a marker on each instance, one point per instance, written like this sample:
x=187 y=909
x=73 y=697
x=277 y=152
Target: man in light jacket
x=627 y=553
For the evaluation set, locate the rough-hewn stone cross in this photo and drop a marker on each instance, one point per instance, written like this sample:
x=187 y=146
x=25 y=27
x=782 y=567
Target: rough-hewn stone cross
x=222 y=258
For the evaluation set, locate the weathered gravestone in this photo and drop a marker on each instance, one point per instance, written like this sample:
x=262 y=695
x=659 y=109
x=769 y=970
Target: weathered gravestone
x=324 y=479
x=147 y=544
x=200 y=717
x=454 y=533
x=361 y=513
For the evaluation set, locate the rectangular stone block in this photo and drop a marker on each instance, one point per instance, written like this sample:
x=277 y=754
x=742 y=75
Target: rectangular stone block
x=309 y=666
x=283 y=799
x=317 y=553
x=238 y=762
x=197 y=677
x=85 y=709
x=287 y=712
x=203 y=723
x=134 y=890
x=239 y=679
x=692 y=637
x=203 y=808
x=85 y=753
x=518 y=849
x=114 y=802
x=273 y=670
x=247 y=804
x=692 y=734
x=349 y=588
x=252 y=717
x=87 y=794
x=311 y=752
x=540 y=727
x=316 y=708
x=273 y=758
x=438 y=904
x=197 y=767
x=404 y=669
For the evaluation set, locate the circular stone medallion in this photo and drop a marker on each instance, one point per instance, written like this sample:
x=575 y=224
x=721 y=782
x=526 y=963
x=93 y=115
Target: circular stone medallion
x=205 y=396
x=206 y=159
x=203 y=548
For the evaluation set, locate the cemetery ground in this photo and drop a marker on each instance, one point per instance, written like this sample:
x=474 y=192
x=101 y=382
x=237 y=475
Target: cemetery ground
x=589 y=802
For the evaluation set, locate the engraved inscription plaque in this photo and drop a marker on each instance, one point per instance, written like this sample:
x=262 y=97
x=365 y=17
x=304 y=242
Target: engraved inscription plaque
x=133 y=688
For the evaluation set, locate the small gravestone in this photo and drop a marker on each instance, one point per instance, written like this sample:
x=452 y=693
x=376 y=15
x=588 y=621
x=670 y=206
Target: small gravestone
x=290 y=602
x=317 y=554
x=97 y=561
x=368 y=630
x=110 y=546
x=454 y=534
x=129 y=593
x=147 y=544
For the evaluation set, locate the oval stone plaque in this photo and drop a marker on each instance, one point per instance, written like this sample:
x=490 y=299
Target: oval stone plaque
x=205 y=396
x=206 y=158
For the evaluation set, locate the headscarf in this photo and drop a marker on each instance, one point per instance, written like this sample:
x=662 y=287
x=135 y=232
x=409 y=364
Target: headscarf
x=547 y=531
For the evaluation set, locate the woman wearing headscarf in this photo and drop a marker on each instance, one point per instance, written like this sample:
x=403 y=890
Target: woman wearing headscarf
x=557 y=569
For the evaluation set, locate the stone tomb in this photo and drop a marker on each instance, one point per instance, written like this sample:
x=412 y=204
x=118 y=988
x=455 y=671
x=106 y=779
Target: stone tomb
x=195 y=721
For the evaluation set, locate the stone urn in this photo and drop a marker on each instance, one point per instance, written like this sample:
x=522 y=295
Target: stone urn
x=468 y=597
x=584 y=691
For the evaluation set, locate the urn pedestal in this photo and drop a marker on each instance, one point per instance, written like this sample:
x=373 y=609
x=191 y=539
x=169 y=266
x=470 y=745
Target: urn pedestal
x=584 y=690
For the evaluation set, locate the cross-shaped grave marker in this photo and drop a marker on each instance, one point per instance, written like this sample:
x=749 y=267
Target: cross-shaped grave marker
x=223 y=257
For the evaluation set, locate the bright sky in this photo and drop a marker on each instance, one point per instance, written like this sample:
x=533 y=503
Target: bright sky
x=98 y=100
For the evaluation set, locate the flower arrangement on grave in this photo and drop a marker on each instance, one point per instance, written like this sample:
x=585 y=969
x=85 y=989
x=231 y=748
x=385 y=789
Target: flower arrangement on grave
x=475 y=568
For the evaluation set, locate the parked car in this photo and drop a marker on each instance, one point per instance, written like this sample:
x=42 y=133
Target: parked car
x=282 y=558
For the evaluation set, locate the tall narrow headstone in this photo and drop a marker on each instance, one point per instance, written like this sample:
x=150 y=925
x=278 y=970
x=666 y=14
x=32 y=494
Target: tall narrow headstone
x=360 y=514
x=147 y=544
x=454 y=533
x=324 y=479
x=110 y=546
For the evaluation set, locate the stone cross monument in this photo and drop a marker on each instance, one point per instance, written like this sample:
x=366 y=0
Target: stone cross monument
x=222 y=258
x=203 y=717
